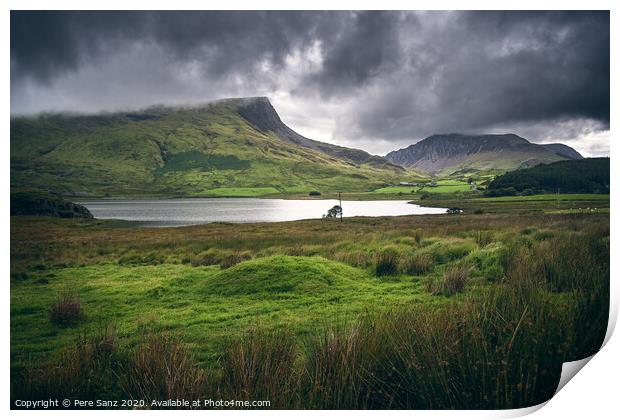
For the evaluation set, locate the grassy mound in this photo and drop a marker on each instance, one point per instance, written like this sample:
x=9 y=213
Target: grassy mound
x=282 y=274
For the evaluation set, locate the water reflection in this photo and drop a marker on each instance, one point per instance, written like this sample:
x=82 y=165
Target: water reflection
x=192 y=211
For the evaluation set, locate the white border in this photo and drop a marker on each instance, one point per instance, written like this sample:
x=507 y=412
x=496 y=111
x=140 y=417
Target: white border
x=593 y=393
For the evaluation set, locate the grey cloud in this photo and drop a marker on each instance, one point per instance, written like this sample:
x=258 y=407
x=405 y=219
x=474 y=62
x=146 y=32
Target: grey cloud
x=371 y=79
x=367 y=47
x=481 y=69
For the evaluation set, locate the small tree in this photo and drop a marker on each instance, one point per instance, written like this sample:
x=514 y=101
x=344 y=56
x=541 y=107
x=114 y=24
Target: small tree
x=334 y=212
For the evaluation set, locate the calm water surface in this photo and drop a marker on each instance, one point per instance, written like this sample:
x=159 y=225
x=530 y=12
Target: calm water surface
x=194 y=211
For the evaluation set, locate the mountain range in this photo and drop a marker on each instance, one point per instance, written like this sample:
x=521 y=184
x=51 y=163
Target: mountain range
x=234 y=147
x=449 y=154
x=230 y=147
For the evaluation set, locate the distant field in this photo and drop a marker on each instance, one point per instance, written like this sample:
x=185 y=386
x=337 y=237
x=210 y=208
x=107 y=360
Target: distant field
x=241 y=192
x=396 y=189
x=549 y=197
x=568 y=203
x=578 y=211
x=443 y=187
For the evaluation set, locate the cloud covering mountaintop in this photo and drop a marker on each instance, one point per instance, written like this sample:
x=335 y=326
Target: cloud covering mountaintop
x=372 y=80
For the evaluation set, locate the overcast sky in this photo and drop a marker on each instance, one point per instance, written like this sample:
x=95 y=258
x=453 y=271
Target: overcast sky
x=378 y=81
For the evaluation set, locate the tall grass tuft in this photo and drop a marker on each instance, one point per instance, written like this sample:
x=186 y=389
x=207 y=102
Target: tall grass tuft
x=85 y=370
x=260 y=366
x=162 y=368
x=453 y=281
x=66 y=310
x=336 y=361
x=386 y=262
x=233 y=259
x=416 y=264
x=483 y=237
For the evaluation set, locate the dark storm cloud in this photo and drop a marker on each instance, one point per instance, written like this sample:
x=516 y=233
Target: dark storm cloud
x=368 y=47
x=45 y=44
x=375 y=80
x=481 y=69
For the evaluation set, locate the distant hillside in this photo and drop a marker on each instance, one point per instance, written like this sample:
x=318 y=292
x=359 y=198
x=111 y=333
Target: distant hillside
x=447 y=154
x=230 y=148
x=260 y=113
x=563 y=150
x=570 y=176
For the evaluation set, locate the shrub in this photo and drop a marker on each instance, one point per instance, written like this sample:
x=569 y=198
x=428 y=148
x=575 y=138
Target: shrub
x=483 y=237
x=152 y=258
x=353 y=258
x=66 y=310
x=453 y=282
x=450 y=250
x=20 y=275
x=210 y=257
x=543 y=235
x=416 y=264
x=486 y=264
x=233 y=259
x=386 y=262
x=478 y=211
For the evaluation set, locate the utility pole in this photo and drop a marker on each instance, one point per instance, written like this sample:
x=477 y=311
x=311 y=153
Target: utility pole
x=340 y=201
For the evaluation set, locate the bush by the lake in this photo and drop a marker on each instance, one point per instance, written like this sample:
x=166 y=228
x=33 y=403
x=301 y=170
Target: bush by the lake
x=66 y=310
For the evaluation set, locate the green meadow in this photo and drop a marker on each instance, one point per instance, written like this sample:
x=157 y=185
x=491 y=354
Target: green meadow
x=475 y=310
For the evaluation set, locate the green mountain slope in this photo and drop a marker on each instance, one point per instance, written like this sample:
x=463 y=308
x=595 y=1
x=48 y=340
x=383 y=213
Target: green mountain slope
x=209 y=150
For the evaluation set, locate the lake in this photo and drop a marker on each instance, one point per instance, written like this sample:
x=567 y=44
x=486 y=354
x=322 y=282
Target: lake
x=195 y=211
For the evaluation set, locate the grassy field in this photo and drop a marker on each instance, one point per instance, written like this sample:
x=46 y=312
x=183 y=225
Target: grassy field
x=445 y=186
x=541 y=203
x=241 y=192
x=549 y=197
x=448 y=311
